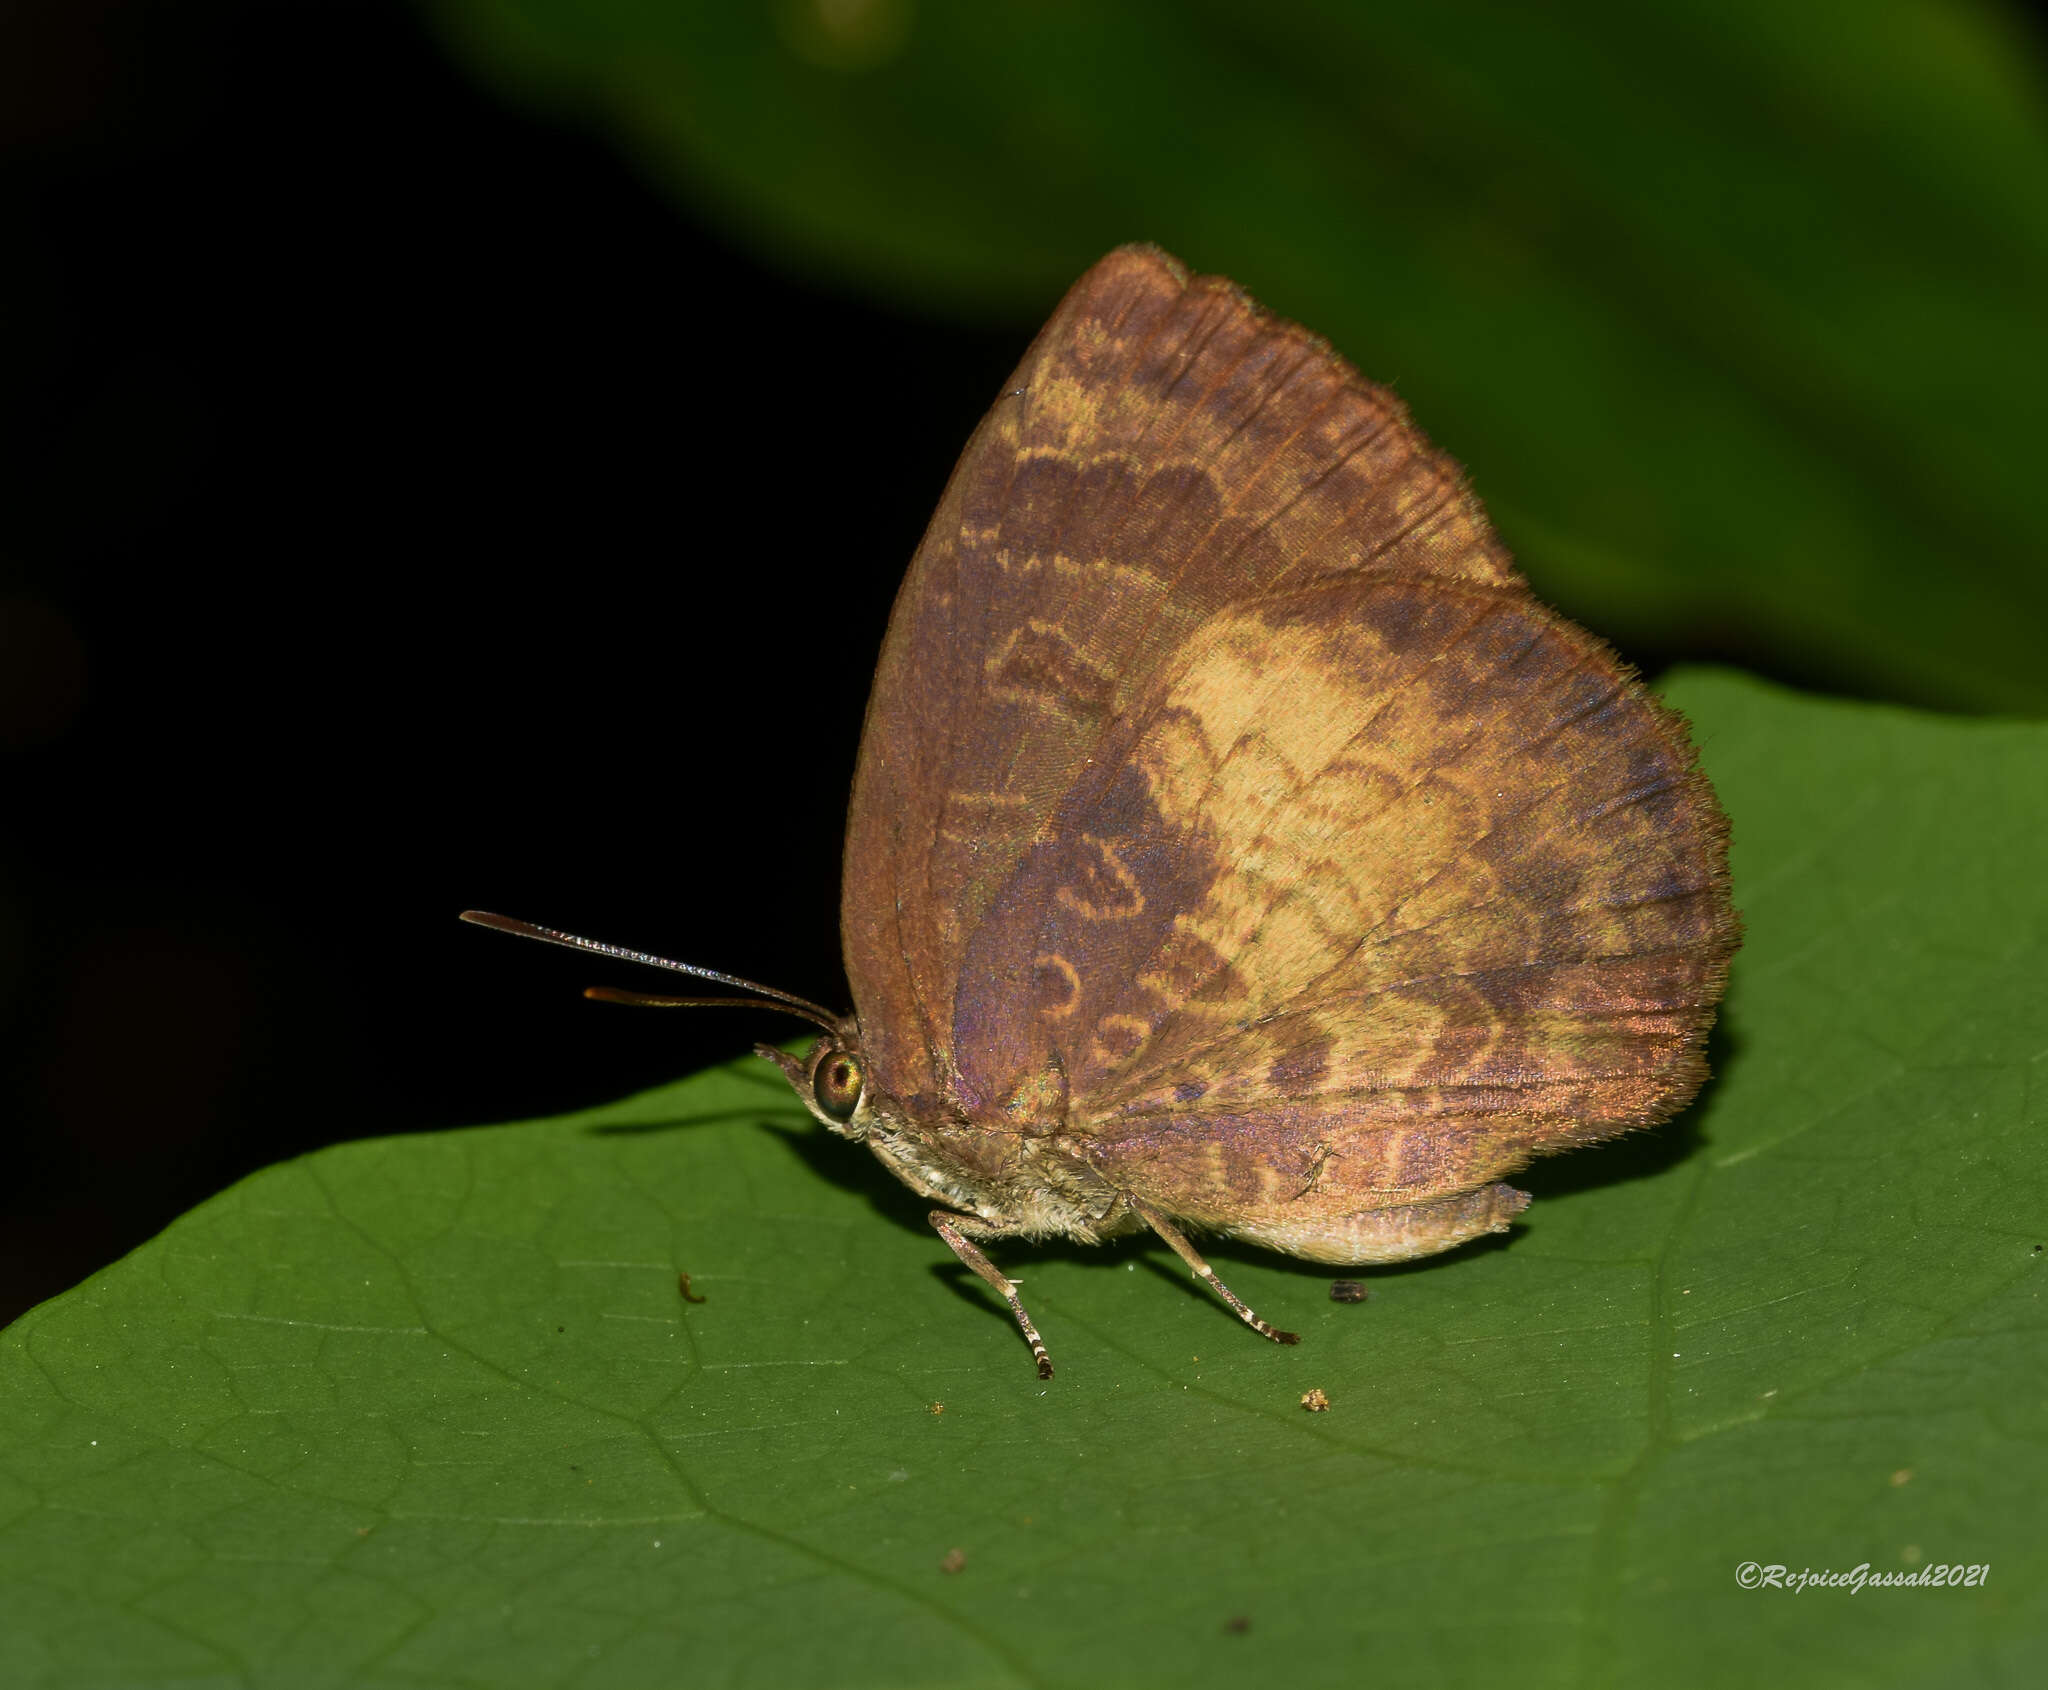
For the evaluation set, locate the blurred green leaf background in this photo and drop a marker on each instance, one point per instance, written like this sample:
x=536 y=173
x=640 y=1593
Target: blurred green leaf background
x=1733 y=309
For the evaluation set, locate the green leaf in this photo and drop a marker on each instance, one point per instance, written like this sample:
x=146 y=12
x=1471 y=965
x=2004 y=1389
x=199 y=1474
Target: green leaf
x=430 y=1411
x=1728 y=306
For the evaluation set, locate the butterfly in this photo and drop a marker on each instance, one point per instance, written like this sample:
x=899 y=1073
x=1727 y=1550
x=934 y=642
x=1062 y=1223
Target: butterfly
x=1237 y=846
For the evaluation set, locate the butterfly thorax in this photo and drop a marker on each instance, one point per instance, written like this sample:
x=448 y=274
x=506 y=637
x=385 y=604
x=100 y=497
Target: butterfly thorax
x=1021 y=1182
x=1017 y=1183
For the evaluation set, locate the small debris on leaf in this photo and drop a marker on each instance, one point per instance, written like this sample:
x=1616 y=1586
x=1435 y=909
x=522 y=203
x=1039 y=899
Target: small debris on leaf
x=1314 y=1401
x=954 y=1561
x=1348 y=1291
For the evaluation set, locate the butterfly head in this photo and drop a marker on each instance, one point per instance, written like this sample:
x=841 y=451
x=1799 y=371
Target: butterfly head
x=831 y=1080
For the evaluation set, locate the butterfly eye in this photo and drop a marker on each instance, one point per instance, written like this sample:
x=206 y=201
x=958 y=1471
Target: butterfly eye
x=836 y=1083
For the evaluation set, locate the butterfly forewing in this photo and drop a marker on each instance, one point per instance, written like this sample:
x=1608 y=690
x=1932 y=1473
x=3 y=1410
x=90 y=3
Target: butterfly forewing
x=1164 y=450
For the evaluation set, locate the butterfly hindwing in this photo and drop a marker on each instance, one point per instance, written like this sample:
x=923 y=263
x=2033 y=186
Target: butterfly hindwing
x=1386 y=886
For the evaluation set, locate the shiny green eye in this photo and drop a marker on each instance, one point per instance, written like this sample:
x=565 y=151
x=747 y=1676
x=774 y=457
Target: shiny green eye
x=836 y=1083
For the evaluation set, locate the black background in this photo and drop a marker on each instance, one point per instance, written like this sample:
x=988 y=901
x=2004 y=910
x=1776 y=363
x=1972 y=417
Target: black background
x=403 y=506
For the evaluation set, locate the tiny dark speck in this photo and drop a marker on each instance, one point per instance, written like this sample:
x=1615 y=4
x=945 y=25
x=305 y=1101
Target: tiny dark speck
x=1237 y=1623
x=1347 y=1291
x=1189 y=1091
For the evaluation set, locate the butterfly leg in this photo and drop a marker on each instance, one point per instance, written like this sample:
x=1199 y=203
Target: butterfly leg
x=949 y=1228
x=1187 y=1253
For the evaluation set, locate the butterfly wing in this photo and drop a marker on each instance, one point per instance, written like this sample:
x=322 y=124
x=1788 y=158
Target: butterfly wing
x=1385 y=885
x=1164 y=451
x=1229 y=807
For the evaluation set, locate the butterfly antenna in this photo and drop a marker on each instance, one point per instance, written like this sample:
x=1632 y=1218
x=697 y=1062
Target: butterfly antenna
x=597 y=947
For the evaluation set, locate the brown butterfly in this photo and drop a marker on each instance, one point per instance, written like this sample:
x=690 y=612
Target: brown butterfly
x=1236 y=845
